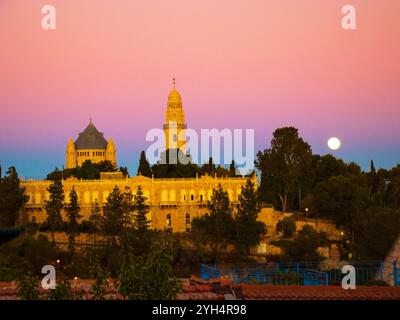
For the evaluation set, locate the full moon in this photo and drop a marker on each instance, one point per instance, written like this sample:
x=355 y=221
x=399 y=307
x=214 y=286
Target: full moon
x=334 y=143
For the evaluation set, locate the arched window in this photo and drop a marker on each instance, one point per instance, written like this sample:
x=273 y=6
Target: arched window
x=169 y=221
x=187 y=218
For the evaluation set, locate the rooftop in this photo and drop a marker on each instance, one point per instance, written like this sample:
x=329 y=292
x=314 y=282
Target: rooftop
x=90 y=138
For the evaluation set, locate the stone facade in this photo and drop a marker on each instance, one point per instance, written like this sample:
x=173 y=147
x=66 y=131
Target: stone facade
x=172 y=202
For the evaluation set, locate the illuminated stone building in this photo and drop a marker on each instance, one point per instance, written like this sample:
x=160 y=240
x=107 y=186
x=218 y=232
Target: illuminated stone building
x=173 y=202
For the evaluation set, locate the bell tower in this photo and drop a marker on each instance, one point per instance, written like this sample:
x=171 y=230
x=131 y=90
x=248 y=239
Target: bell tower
x=70 y=155
x=175 y=127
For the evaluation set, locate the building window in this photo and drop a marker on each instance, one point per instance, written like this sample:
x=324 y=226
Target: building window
x=187 y=218
x=191 y=197
x=201 y=197
x=169 y=221
x=33 y=219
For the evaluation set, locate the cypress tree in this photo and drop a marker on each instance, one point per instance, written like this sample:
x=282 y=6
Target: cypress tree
x=113 y=213
x=54 y=206
x=72 y=220
x=95 y=218
x=141 y=210
x=144 y=166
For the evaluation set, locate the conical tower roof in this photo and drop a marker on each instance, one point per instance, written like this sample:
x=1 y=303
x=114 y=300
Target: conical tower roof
x=91 y=138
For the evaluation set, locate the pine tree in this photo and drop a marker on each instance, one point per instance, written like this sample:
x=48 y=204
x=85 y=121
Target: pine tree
x=113 y=213
x=216 y=227
x=151 y=277
x=128 y=206
x=248 y=231
x=54 y=206
x=144 y=166
x=12 y=198
x=27 y=285
x=232 y=169
x=95 y=219
x=141 y=210
x=72 y=220
x=373 y=170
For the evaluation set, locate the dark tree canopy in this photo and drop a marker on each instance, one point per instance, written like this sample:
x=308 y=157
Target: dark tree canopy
x=287 y=226
x=113 y=215
x=73 y=216
x=285 y=168
x=248 y=231
x=141 y=209
x=54 y=206
x=12 y=198
x=144 y=166
x=88 y=171
x=216 y=226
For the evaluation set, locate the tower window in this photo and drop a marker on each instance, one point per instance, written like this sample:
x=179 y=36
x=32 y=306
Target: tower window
x=191 y=197
x=175 y=138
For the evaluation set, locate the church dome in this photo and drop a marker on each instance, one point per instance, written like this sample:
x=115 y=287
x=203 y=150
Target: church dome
x=174 y=96
x=91 y=138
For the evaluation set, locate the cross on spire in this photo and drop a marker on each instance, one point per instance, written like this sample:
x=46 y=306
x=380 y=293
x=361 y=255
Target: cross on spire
x=173 y=82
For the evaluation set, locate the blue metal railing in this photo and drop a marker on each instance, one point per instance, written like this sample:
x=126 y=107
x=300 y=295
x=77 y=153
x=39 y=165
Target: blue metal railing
x=301 y=273
x=265 y=274
x=396 y=274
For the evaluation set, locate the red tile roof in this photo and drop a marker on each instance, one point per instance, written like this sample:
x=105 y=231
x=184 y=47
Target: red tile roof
x=270 y=292
x=216 y=289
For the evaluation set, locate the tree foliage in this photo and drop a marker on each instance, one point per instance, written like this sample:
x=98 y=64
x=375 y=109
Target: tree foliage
x=150 y=277
x=285 y=168
x=114 y=215
x=303 y=247
x=141 y=209
x=287 y=226
x=248 y=231
x=216 y=227
x=12 y=198
x=73 y=216
x=54 y=206
x=144 y=166
x=87 y=171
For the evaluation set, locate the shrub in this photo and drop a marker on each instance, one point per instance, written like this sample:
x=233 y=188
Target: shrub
x=287 y=226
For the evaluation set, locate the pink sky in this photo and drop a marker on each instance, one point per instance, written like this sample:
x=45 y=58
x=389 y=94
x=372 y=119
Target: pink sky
x=239 y=64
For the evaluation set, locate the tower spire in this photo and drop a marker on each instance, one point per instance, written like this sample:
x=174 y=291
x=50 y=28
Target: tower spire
x=173 y=82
